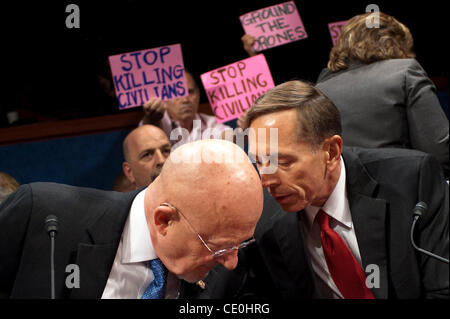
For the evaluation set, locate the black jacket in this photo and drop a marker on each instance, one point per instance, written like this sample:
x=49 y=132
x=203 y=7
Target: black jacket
x=383 y=186
x=91 y=222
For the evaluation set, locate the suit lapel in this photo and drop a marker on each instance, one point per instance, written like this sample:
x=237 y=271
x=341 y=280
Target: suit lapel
x=368 y=215
x=286 y=231
x=369 y=220
x=194 y=291
x=95 y=263
x=282 y=249
x=95 y=259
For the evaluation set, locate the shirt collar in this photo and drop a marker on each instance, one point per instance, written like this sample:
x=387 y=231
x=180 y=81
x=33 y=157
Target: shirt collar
x=336 y=205
x=136 y=242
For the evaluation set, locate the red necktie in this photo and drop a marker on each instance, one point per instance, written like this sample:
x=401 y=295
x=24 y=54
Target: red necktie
x=347 y=274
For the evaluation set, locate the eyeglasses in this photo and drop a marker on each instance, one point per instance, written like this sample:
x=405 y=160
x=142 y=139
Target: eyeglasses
x=220 y=252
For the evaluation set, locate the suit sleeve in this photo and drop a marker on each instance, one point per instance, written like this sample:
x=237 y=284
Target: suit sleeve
x=14 y=217
x=428 y=125
x=432 y=232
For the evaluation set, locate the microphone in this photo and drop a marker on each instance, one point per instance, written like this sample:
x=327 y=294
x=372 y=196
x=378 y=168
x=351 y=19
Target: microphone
x=418 y=210
x=51 y=226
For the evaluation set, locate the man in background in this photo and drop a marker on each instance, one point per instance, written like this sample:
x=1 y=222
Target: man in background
x=176 y=117
x=145 y=149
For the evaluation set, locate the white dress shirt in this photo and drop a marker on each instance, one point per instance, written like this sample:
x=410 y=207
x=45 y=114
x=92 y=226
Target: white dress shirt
x=341 y=222
x=130 y=274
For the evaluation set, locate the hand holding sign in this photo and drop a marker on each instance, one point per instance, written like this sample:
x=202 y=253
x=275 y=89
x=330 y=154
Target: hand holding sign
x=140 y=75
x=154 y=110
x=274 y=26
x=248 y=41
x=234 y=88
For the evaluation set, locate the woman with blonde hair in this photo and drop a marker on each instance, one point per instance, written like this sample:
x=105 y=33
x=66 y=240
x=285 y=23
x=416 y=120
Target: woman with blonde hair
x=384 y=95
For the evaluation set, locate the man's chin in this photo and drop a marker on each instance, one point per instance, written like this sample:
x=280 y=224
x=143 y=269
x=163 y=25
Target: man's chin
x=187 y=116
x=294 y=207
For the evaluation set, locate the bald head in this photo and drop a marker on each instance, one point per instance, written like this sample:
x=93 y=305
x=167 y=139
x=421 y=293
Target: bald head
x=148 y=133
x=218 y=190
x=214 y=171
x=145 y=150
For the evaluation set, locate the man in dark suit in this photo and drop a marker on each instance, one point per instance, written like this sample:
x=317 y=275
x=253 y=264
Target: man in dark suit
x=133 y=245
x=337 y=223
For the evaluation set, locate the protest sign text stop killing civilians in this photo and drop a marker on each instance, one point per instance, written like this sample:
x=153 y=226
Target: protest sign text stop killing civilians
x=143 y=74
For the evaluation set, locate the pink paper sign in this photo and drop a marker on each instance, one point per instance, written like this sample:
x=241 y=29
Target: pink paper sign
x=335 y=30
x=274 y=26
x=140 y=75
x=232 y=89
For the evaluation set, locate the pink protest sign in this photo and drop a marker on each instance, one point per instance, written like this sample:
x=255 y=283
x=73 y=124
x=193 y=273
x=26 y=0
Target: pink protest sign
x=140 y=75
x=274 y=26
x=335 y=30
x=232 y=89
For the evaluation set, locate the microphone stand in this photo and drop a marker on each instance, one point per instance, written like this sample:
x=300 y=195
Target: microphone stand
x=418 y=210
x=416 y=217
x=51 y=226
x=52 y=263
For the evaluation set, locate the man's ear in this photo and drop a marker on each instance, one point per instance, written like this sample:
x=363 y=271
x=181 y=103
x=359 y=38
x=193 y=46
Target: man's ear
x=333 y=149
x=163 y=217
x=128 y=173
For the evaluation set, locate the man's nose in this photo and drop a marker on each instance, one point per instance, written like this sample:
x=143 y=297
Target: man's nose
x=185 y=99
x=230 y=260
x=269 y=180
x=160 y=158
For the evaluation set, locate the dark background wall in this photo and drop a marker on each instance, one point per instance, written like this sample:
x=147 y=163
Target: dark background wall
x=92 y=160
x=50 y=72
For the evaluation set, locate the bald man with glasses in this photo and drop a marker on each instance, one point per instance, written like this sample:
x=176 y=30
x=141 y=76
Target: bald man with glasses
x=220 y=252
x=146 y=244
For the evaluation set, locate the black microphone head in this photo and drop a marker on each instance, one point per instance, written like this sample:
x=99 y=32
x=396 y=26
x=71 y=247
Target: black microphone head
x=51 y=224
x=420 y=208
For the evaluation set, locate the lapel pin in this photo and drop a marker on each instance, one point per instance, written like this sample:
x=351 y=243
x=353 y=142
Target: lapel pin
x=201 y=284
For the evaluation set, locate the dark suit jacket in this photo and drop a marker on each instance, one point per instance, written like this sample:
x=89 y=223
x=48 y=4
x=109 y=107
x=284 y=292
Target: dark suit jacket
x=383 y=186
x=390 y=103
x=90 y=227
